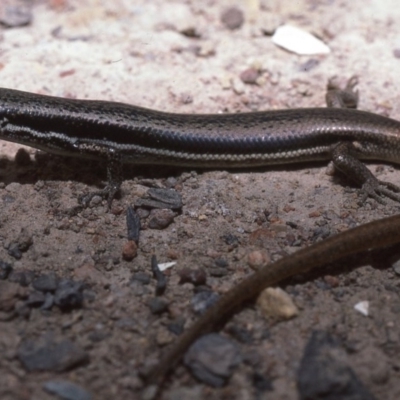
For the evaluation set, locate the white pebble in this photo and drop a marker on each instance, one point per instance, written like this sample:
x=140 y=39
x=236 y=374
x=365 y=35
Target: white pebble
x=298 y=41
x=362 y=307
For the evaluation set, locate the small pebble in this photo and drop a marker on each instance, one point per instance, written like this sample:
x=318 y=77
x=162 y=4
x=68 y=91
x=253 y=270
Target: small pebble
x=221 y=263
x=298 y=41
x=161 y=219
x=21 y=245
x=362 y=307
x=232 y=18
x=194 y=276
x=158 y=306
x=309 y=65
x=276 y=303
x=332 y=281
x=164 y=337
x=128 y=324
x=164 y=266
x=250 y=76
x=10 y=293
x=5 y=270
x=141 y=277
x=67 y=390
x=129 y=250
x=230 y=239
x=24 y=277
x=69 y=294
x=262 y=383
x=177 y=326
x=25 y=240
x=46 y=282
x=48 y=302
x=258 y=258
x=14 y=251
x=15 y=13
x=203 y=300
x=218 y=272
x=36 y=299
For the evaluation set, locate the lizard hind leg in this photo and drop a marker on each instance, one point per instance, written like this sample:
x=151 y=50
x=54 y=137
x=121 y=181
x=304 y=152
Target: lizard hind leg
x=345 y=161
x=114 y=181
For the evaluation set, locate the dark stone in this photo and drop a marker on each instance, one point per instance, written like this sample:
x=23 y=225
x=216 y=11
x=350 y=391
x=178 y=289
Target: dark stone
x=24 y=278
x=176 y=326
x=141 y=277
x=161 y=198
x=20 y=245
x=261 y=383
x=212 y=359
x=230 y=239
x=66 y=390
x=69 y=294
x=221 y=263
x=98 y=335
x=324 y=373
x=46 y=282
x=240 y=334
x=203 y=300
x=133 y=224
x=47 y=355
x=159 y=276
x=36 y=299
x=48 y=302
x=14 y=251
x=5 y=270
x=158 y=306
x=128 y=324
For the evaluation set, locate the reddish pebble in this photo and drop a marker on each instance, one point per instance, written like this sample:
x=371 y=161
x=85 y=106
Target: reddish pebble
x=129 y=251
x=332 y=281
x=250 y=75
x=258 y=258
x=195 y=276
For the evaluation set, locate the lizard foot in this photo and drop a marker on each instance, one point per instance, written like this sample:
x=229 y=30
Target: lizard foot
x=378 y=189
x=338 y=97
x=108 y=193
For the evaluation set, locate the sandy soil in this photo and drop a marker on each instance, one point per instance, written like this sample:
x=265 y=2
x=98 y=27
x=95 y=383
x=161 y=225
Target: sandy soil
x=178 y=56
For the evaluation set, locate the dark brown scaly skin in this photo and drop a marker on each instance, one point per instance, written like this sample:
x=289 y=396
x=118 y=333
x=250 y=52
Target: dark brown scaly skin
x=370 y=236
x=119 y=133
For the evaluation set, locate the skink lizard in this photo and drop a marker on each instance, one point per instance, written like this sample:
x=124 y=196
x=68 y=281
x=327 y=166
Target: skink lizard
x=119 y=133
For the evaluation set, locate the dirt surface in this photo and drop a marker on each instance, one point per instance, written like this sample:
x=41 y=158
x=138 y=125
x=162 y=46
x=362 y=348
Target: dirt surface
x=180 y=57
